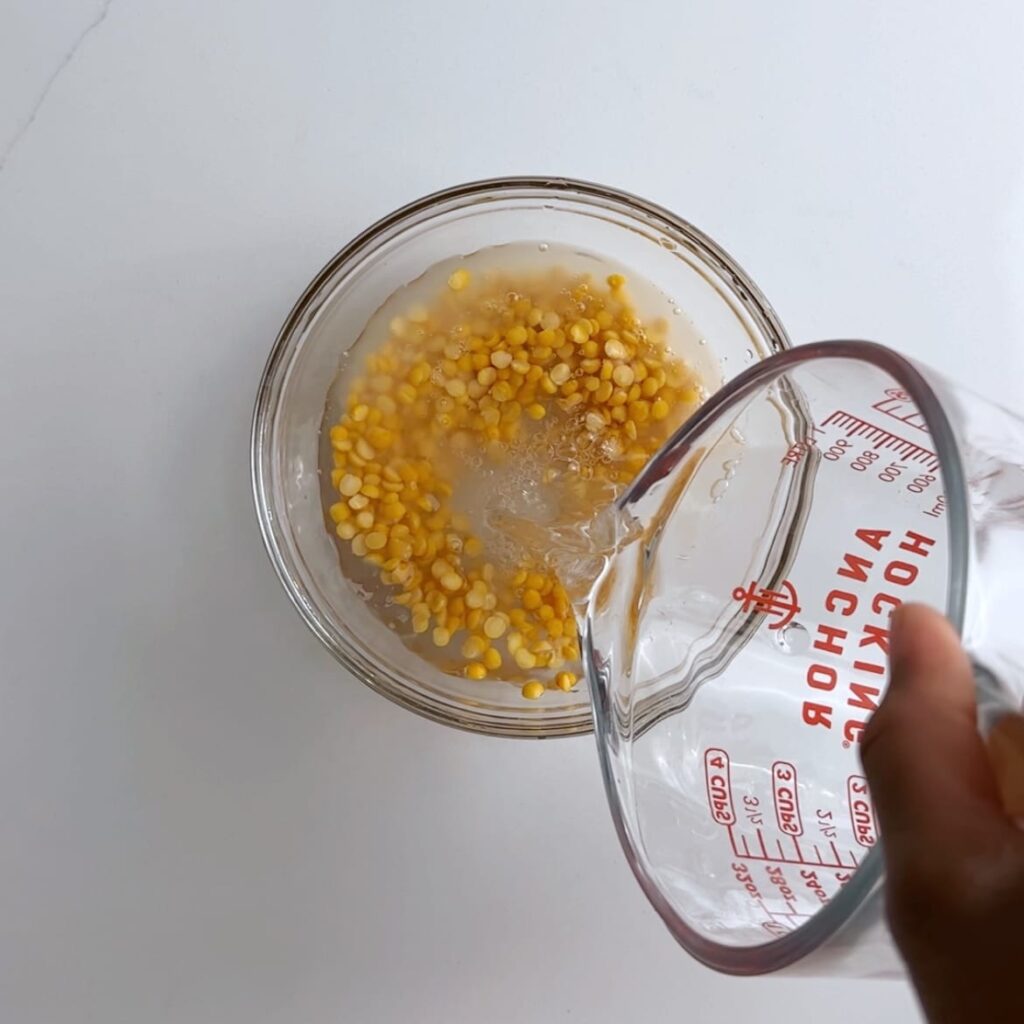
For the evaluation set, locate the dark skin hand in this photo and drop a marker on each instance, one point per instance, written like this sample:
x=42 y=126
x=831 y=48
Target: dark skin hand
x=954 y=856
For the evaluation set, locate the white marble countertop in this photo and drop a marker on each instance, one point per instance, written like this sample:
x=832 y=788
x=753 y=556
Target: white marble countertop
x=204 y=819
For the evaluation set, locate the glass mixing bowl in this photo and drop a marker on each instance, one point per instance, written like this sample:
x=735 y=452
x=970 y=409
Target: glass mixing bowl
x=725 y=306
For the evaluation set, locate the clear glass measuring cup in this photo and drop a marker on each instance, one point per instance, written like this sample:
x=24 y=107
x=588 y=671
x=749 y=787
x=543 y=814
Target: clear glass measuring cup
x=737 y=641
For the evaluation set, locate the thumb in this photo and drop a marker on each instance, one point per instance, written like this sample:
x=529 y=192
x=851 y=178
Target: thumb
x=925 y=761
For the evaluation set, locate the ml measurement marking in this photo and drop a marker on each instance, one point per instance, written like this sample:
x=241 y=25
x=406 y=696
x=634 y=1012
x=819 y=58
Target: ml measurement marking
x=854 y=426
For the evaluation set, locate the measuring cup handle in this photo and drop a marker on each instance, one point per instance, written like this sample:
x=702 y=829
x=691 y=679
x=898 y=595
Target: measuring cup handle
x=1002 y=725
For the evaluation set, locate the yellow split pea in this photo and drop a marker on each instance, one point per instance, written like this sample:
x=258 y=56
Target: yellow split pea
x=501 y=366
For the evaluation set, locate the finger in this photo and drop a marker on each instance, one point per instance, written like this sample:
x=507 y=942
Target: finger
x=1006 y=755
x=925 y=761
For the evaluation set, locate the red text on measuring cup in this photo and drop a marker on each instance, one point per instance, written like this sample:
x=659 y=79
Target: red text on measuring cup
x=860 y=572
x=862 y=814
x=787 y=803
x=719 y=783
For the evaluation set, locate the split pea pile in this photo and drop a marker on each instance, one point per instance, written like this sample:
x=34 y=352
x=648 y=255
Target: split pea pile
x=554 y=370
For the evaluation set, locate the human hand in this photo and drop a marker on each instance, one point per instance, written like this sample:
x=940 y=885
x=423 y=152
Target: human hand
x=954 y=857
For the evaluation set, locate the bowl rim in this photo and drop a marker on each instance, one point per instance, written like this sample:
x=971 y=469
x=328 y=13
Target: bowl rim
x=480 y=721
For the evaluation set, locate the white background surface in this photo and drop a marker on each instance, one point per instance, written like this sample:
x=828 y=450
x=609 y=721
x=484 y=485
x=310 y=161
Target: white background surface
x=203 y=820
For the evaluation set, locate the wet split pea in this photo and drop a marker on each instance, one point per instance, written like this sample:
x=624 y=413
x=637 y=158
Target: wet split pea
x=496 y=366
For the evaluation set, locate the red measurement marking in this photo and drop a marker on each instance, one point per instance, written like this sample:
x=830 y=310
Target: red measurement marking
x=854 y=426
x=764 y=849
x=790 y=914
x=899 y=405
x=787 y=801
x=719 y=783
x=741 y=847
x=862 y=814
x=746 y=845
x=781 y=603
